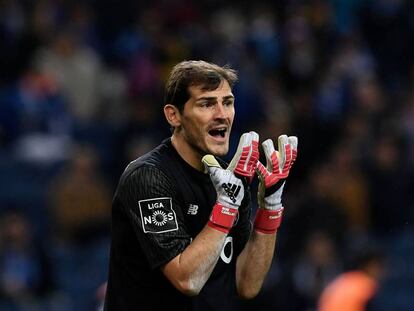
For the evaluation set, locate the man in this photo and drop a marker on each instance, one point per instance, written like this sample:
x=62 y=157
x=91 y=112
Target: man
x=355 y=289
x=182 y=238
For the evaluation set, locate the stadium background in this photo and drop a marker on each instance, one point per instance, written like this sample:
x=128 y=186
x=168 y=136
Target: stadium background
x=81 y=95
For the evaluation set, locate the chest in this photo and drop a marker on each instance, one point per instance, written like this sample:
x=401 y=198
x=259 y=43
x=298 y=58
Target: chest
x=197 y=197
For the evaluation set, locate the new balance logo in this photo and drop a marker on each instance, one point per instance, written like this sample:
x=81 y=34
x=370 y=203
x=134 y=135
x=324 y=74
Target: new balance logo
x=232 y=190
x=192 y=209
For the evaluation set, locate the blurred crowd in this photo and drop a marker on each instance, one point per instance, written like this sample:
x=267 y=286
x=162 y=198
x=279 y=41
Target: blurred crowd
x=81 y=95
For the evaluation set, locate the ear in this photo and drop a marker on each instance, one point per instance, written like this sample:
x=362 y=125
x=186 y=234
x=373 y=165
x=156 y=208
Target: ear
x=173 y=115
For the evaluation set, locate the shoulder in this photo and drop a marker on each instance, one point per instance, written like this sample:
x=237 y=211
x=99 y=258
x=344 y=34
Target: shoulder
x=145 y=175
x=142 y=180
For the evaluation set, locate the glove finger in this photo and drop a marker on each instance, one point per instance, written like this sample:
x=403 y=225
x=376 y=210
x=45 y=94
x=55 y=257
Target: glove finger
x=266 y=178
x=270 y=154
x=239 y=159
x=254 y=153
x=282 y=143
x=213 y=168
x=210 y=162
x=261 y=171
x=288 y=160
x=293 y=141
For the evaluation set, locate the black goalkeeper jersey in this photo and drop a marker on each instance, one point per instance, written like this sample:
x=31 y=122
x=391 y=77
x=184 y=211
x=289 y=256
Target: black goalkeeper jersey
x=160 y=205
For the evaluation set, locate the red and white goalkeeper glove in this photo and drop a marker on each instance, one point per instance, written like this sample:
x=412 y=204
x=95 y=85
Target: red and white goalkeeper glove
x=228 y=182
x=247 y=154
x=272 y=181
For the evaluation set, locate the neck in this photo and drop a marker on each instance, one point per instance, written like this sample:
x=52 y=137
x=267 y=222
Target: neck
x=188 y=153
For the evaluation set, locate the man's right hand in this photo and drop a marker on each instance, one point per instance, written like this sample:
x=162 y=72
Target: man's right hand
x=227 y=182
x=272 y=181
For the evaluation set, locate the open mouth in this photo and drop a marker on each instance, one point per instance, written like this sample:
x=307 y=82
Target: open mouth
x=218 y=132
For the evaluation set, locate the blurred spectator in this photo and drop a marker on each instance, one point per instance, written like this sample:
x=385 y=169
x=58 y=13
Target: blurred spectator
x=315 y=210
x=76 y=69
x=353 y=289
x=318 y=264
x=407 y=124
x=45 y=123
x=100 y=297
x=368 y=99
x=390 y=185
x=387 y=29
x=350 y=188
x=25 y=278
x=265 y=38
x=301 y=48
x=138 y=147
x=80 y=199
x=276 y=117
x=114 y=99
x=34 y=119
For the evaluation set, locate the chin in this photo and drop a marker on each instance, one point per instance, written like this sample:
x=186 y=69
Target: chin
x=220 y=151
x=215 y=148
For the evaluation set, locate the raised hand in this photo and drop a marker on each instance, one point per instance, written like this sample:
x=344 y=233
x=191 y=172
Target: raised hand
x=272 y=181
x=228 y=182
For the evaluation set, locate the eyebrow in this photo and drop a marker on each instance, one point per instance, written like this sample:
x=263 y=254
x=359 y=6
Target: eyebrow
x=214 y=98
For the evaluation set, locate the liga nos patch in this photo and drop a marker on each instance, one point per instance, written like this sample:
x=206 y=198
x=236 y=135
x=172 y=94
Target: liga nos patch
x=157 y=215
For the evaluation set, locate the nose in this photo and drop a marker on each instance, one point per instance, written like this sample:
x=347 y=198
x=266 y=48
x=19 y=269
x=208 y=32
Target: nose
x=220 y=112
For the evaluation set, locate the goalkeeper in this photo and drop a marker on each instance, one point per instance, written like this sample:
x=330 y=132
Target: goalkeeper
x=181 y=231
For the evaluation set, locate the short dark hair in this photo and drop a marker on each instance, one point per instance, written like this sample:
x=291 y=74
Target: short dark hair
x=195 y=73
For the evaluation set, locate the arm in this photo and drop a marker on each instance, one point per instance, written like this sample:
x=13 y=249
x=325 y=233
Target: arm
x=255 y=260
x=190 y=270
x=254 y=263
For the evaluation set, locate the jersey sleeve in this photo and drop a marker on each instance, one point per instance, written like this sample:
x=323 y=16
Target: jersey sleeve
x=149 y=200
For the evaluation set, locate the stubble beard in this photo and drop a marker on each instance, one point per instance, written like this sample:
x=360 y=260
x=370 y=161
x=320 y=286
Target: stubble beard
x=201 y=146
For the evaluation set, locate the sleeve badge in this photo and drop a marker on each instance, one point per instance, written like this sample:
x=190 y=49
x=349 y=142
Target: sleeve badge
x=157 y=215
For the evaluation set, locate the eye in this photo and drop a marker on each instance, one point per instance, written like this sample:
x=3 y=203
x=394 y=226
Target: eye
x=207 y=104
x=228 y=103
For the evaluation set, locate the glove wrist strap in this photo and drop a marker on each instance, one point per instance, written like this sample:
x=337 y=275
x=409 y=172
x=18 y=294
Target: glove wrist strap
x=268 y=221
x=222 y=217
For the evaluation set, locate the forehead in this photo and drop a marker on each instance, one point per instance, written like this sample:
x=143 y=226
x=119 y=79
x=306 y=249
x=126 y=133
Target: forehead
x=224 y=89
